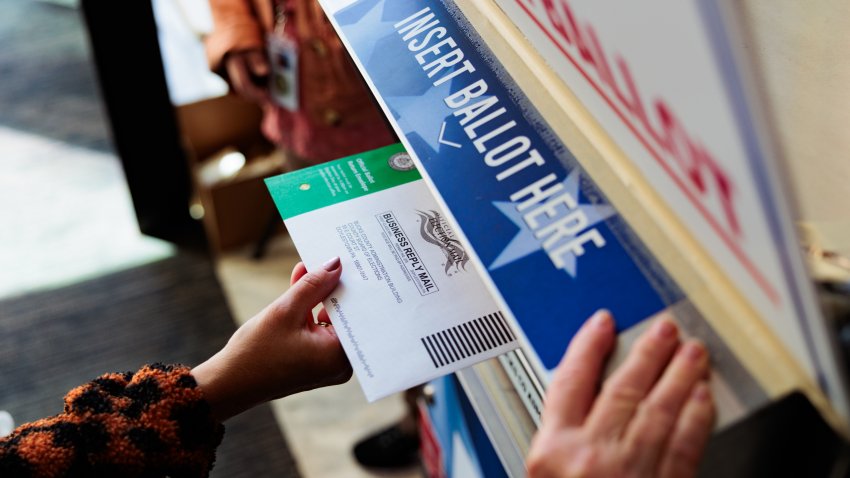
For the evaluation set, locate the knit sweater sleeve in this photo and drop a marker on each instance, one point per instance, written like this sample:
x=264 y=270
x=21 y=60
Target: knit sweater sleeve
x=154 y=422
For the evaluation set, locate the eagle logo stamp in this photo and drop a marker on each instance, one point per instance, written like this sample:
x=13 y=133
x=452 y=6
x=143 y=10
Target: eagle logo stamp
x=401 y=162
x=434 y=229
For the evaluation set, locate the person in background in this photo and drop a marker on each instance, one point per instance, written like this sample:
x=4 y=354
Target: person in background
x=285 y=56
x=652 y=416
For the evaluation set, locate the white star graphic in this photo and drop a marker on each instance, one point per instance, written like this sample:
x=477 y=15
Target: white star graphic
x=525 y=243
x=368 y=29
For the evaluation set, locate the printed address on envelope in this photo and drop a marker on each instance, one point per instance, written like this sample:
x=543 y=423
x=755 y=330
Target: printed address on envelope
x=410 y=306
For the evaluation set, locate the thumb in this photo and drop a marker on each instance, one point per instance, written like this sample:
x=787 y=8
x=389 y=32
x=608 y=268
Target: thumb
x=314 y=286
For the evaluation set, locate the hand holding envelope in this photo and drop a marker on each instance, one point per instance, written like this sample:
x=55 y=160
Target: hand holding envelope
x=410 y=306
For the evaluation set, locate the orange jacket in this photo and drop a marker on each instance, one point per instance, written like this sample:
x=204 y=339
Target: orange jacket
x=237 y=25
x=154 y=422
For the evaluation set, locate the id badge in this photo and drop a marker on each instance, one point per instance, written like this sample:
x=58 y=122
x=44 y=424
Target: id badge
x=283 y=58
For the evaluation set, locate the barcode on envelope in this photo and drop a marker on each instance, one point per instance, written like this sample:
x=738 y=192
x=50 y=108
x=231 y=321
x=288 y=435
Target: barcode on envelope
x=467 y=339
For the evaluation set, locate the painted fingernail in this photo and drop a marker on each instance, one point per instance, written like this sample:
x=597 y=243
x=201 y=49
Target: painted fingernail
x=602 y=320
x=665 y=329
x=331 y=265
x=694 y=351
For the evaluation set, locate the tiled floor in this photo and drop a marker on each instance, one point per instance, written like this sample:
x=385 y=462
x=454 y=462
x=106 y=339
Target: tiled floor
x=323 y=425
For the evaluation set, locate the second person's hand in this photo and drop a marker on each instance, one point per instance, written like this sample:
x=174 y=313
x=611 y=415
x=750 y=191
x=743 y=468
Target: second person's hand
x=651 y=418
x=249 y=71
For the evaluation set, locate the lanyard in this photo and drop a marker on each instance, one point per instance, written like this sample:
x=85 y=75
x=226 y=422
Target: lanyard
x=282 y=12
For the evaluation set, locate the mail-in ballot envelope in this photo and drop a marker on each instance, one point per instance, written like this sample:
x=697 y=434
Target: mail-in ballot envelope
x=410 y=306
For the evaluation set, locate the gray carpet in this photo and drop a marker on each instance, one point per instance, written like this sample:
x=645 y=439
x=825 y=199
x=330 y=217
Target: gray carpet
x=171 y=311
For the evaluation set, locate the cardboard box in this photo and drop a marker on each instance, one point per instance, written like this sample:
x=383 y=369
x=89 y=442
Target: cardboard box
x=235 y=206
x=238 y=210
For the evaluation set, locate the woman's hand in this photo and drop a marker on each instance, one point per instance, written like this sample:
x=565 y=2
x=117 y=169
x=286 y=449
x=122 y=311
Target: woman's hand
x=651 y=418
x=280 y=351
x=248 y=71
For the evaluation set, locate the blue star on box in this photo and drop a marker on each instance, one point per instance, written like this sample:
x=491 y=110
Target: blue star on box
x=525 y=242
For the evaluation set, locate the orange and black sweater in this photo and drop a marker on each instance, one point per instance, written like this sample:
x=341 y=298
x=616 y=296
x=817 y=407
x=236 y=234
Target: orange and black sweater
x=152 y=423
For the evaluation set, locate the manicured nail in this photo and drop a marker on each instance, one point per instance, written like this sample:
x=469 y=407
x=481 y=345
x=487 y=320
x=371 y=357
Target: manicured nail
x=664 y=329
x=602 y=320
x=331 y=265
x=701 y=392
x=694 y=351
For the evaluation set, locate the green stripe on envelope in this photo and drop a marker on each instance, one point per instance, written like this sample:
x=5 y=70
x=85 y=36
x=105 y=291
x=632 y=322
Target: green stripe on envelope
x=337 y=181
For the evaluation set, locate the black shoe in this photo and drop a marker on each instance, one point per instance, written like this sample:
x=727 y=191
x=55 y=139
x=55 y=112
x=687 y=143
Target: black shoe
x=389 y=448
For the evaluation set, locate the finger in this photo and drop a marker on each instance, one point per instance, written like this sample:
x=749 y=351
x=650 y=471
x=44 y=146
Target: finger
x=240 y=77
x=330 y=349
x=322 y=323
x=257 y=63
x=631 y=382
x=323 y=318
x=297 y=272
x=575 y=381
x=657 y=415
x=237 y=72
x=326 y=332
x=311 y=288
x=687 y=444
